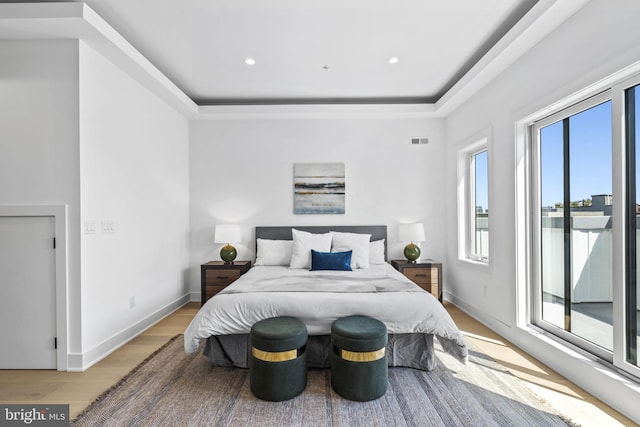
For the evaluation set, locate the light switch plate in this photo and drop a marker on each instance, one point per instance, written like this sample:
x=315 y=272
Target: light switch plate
x=89 y=227
x=108 y=226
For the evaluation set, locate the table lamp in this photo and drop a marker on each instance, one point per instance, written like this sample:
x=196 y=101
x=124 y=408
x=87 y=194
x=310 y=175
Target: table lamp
x=412 y=233
x=227 y=234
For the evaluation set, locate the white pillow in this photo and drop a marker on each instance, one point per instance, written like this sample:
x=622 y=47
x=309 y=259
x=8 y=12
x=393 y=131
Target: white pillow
x=355 y=242
x=376 y=252
x=273 y=252
x=303 y=242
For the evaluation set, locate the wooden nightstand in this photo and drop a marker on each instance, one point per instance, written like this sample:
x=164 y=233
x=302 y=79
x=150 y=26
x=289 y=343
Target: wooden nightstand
x=426 y=273
x=216 y=275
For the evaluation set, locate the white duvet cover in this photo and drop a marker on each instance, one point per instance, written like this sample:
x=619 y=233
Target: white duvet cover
x=318 y=298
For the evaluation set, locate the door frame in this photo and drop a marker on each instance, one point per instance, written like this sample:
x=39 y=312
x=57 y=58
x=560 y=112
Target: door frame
x=59 y=214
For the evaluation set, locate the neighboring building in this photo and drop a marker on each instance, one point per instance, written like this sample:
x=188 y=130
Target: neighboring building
x=599 y=204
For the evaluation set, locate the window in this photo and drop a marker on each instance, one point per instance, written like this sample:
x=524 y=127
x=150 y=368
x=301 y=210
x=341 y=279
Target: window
x=479 y=244
x=579 y=222
x=473 y=200
x=632 y=124
x=575 y=204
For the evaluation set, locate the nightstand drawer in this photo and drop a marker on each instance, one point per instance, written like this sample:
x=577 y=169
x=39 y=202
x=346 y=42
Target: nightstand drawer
x=422 y=276
x=426 y=273
x=217 y=275
x=220 y=278
x=212 y=290
x=432 y=288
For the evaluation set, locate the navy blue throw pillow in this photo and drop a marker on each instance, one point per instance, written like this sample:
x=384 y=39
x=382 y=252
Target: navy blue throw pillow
x=331 y=260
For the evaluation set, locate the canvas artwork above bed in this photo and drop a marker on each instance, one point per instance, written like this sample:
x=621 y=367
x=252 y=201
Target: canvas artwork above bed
x=319 y=274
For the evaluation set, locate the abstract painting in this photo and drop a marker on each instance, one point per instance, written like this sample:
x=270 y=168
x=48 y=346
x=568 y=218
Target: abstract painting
x=318 y=188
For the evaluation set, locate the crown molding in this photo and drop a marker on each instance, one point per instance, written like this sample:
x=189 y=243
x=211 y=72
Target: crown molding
x=58 y=21
x=310 y=111
x=538 y=23
x=76 y=20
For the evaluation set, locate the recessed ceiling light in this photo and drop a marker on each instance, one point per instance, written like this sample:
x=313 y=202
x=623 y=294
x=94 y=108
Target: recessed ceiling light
x=393 y=60
x=250 y=61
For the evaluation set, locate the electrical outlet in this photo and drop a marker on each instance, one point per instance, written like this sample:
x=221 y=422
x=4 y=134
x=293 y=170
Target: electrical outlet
x=132 y=301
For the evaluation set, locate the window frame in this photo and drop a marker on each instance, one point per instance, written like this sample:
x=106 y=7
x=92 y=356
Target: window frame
x=628 y=358
x=527 y=197
x=534 y=129
x=467 y=153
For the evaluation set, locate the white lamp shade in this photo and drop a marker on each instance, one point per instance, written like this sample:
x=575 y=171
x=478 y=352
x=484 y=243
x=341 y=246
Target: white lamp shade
x=228 y=233
x=411 y=232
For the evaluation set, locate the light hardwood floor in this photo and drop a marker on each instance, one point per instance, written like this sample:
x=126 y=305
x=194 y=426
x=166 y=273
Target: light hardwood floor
x=79 y=389
x=569 y=399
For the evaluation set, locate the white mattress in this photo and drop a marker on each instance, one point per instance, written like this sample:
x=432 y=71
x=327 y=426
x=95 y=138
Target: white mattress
x=318 y=298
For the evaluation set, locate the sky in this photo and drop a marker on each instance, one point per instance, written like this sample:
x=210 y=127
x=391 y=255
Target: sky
x=590 y=156
x=481 y=178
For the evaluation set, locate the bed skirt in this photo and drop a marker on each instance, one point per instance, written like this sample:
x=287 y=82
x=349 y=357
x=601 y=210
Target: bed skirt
x=407 y=350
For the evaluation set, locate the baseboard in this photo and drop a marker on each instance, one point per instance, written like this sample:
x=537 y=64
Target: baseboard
x=79 y=362
x=486 y=319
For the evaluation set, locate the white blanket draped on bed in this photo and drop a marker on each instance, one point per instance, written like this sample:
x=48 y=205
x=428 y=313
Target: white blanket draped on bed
x=319 y=297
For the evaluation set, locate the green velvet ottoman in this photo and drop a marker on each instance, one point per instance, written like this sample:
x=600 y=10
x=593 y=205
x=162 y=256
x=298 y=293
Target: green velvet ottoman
x=358 y=362
x=278 y=363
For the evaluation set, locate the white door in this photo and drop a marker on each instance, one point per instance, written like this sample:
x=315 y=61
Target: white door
x=27 y=293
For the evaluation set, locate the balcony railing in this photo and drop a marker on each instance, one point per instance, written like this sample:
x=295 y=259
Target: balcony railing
x=591 y=252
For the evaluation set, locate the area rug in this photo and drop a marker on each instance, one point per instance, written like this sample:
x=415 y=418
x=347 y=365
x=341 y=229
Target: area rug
x=172 y=388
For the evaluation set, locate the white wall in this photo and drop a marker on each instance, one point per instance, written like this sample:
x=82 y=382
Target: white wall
x=134 y=162
x=242 y=172
x=599 y=40
x=39 y=162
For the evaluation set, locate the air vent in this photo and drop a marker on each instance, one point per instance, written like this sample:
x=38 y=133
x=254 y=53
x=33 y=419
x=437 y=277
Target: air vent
x=419 y=140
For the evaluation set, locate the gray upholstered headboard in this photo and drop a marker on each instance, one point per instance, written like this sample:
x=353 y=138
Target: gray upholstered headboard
x=284 y=232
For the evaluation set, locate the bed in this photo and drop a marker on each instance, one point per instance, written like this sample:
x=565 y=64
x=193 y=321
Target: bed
x=280 y=284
